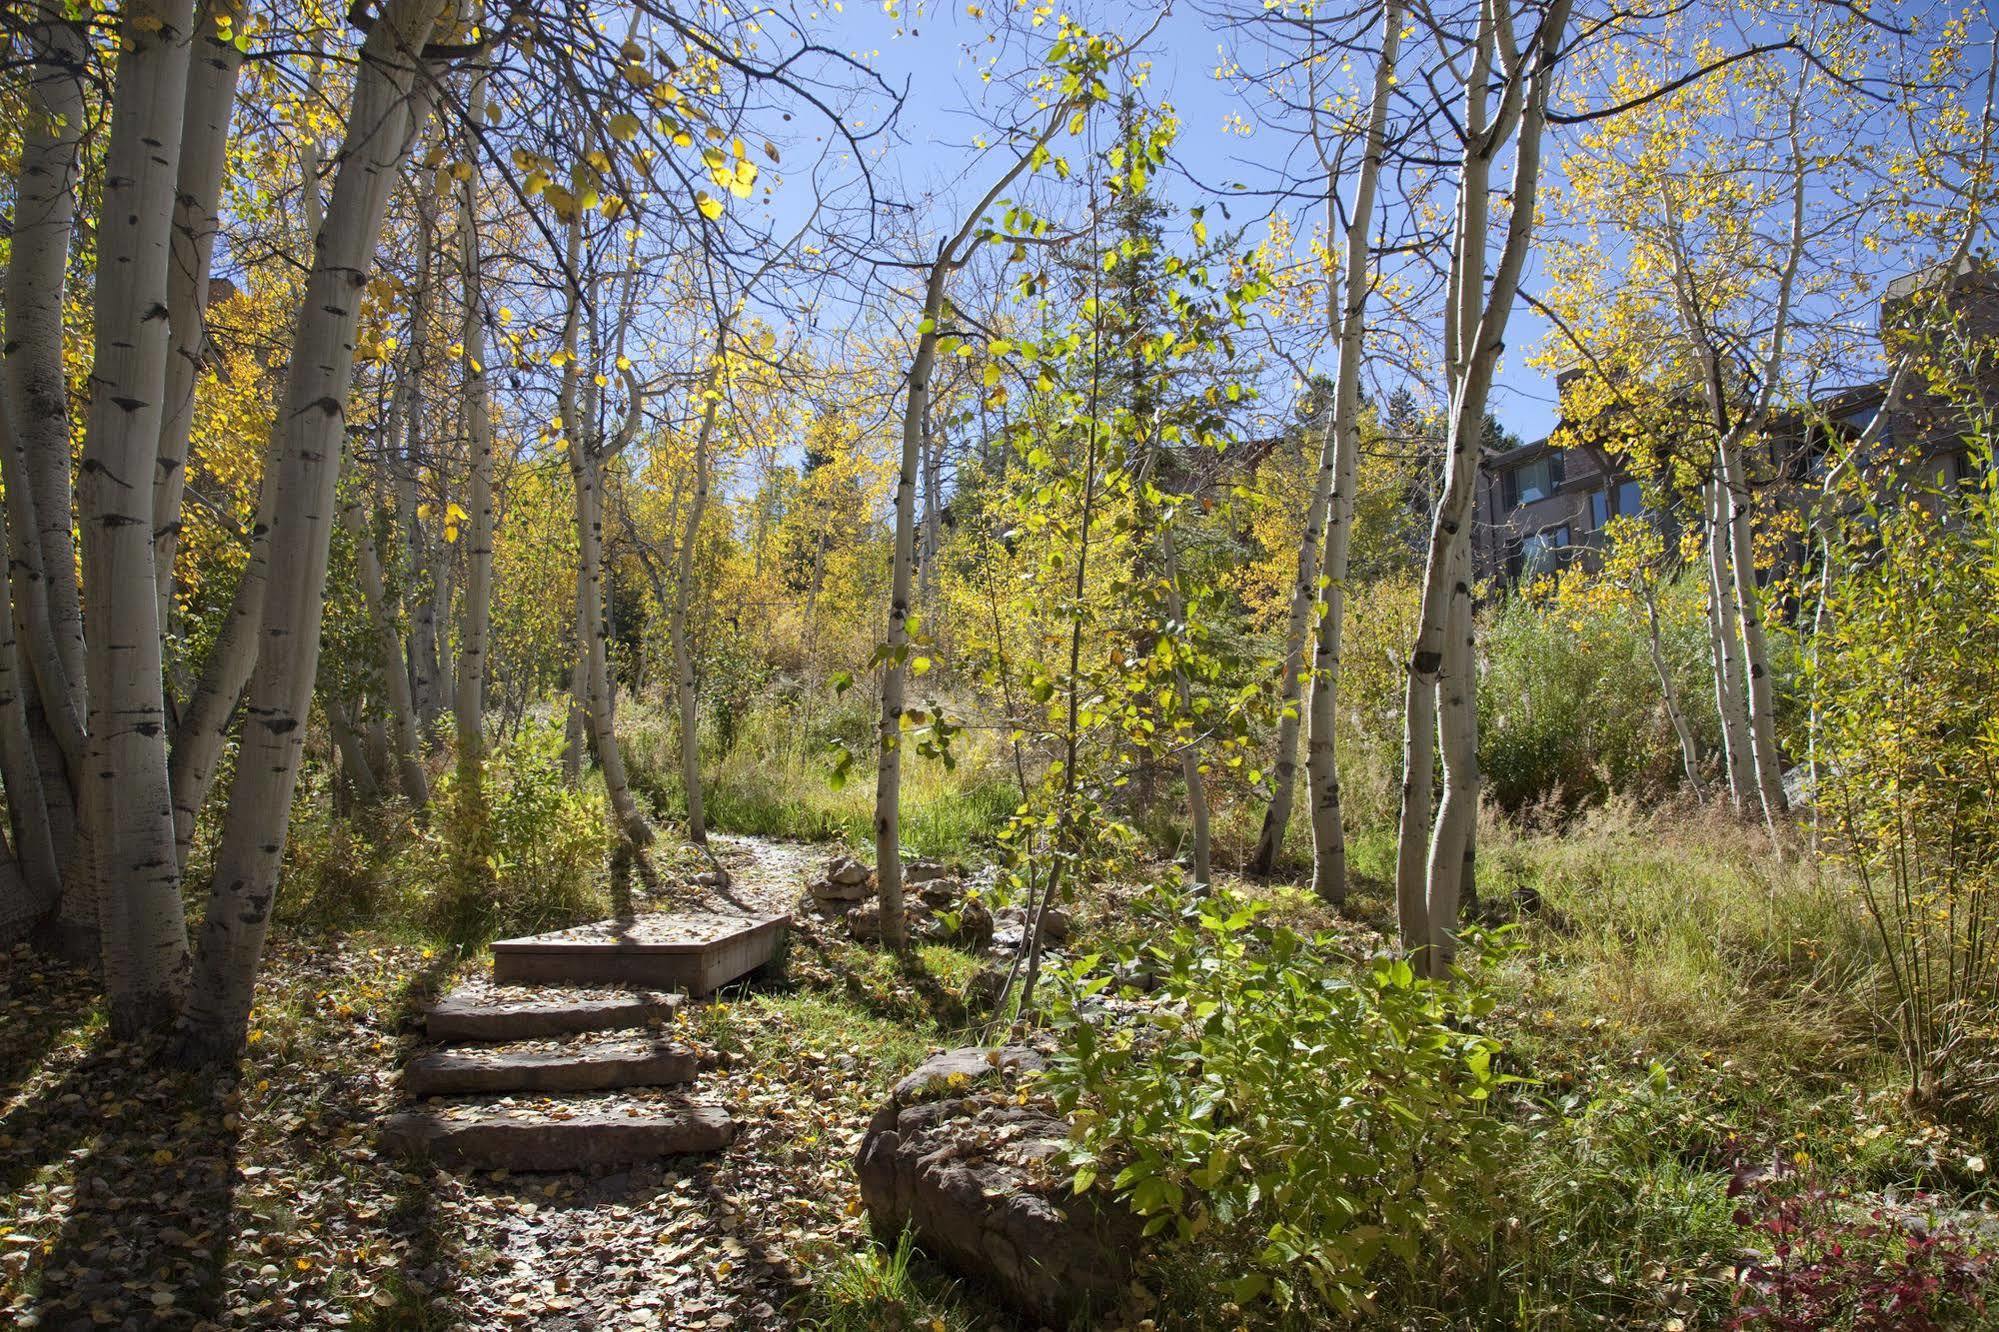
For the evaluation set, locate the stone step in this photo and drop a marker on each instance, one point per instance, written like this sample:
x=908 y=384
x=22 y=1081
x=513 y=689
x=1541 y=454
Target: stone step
x=481 y=1012
x=557 y=1135
x=594 y=1064
x=695 y=951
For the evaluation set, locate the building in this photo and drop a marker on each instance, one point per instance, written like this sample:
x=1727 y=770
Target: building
x=1540 y=508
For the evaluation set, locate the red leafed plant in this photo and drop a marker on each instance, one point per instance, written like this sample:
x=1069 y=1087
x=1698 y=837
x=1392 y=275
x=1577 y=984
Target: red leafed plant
x=1829 y=1264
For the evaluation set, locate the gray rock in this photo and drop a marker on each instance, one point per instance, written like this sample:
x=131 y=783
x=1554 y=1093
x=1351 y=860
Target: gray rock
x=924 y=871
x=864 y=922
x=825 y=890
x=940 y=892
x=973 y=1180
x=847 y=871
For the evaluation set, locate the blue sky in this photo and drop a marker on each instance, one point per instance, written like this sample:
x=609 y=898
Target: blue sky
x=940 y=118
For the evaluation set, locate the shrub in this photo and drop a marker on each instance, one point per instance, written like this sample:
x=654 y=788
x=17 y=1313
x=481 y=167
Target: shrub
x=1569 y=703
x=1305 y=1116
x=1907 y=755
x=540 y=846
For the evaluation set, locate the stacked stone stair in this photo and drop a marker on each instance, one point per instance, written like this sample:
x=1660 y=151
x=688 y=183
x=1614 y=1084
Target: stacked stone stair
x=558 y=1065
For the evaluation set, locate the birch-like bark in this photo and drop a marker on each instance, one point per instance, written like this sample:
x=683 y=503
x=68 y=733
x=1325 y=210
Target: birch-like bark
x=597 y=697
x=305 y=455
x=476 y=611
x=1322 y=772
x=895 y=665
x=127 y=815
x=683 y=595
x=1476 y=318
x=1291 y=690
x=1669 y=693
x=39 y=870
x=211 y=97
x=1722 y=649
x=1747 y=603
x=354 y=765
x=37 y=267
x=1457 y=734
x=1190 y=752
x=407 y=744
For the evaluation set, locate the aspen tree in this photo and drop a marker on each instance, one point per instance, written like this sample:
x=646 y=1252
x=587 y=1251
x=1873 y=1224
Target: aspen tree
x=388 y=106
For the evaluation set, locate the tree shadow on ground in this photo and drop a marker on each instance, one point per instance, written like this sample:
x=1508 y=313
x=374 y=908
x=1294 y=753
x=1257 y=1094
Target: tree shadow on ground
x=43 y=1002
x=151 y=1150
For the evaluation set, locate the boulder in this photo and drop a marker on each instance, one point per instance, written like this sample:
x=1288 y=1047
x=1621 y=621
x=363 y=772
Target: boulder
x=826 y=890
x=864 y=921
x=846 y=871
x=1055 y=923
x=975 y=1178
x=924 y=871
x=940 y=892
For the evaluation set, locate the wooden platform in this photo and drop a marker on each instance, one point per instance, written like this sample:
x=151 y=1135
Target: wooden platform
x=698 y=952
x=478 y=1012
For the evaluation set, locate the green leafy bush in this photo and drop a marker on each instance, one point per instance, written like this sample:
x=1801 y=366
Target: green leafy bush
x=536 y=848
x=1284 y=1110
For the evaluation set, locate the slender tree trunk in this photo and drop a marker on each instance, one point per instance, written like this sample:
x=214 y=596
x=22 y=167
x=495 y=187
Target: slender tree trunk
x=1747 y=600
x=1669 y=694
x=1457 y=813
x=1297 y=634
x=39 y=871
x=389 y=646
x=1477 y=311
x=1722 y=648
x=477 y=603
x=354 y=765
x=44 y=218
x=1190 y=752
x=895 y=665
x=36 y=459
x=683 y=658
x=306 y=450
x=211 y=98
x=1329 y=847
x=128 y=817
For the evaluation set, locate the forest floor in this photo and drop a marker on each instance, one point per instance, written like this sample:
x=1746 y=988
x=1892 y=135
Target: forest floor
x=1685 y=1013
x=132 y=1198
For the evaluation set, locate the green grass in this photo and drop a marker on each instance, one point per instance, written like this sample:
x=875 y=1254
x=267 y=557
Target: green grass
x=885 y=1289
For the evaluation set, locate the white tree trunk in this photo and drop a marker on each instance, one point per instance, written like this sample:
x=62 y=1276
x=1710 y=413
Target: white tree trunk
x=1722 y=648
x=1329 y=848
x=476 y=611
x=211 y=97
x=305 y=455
x=44 y=217
x=128 y=817
x=683 y=657
x=895 y=667
x=1747 y=601
x=1477 y=311
x=407 y=744
x=1297 y=634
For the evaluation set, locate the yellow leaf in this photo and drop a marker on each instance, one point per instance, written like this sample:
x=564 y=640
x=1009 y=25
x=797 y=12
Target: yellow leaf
x=624 y=127
x=710 y=206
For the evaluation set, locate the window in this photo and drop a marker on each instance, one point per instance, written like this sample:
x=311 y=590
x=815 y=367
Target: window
x=1599 y=510
x=1544 y=551
x=1535 y=481
x=1630 y=499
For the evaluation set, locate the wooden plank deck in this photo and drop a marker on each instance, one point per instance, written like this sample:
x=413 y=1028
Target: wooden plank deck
x=694 y=951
